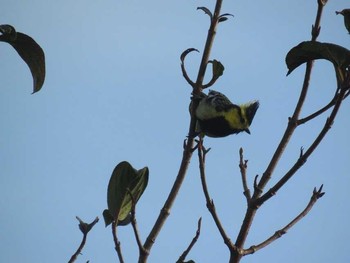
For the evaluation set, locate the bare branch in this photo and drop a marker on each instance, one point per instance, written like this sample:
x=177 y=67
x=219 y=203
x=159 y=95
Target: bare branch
x=117 y=242
x=85 y=229
x=134 y=224
x=243 y=168
x=210 y=202
x=303 y=158
x=317 y=194
x=80 y=248
x=292 y=124
x=193 y=242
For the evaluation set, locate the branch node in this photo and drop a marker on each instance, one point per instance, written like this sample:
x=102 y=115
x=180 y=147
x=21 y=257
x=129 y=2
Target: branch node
x=257 y=189
x=165 y=211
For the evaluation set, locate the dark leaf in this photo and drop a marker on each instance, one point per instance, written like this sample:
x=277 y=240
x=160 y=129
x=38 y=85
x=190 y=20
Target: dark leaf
x=186 y=52
x=346 y=14
x=218 y=68
x=224 y=17
x=125 y=221
x=206 y=10
x=85 y=227
x=107 y=217
x=29 y=51
x=125 y=180
x=311 y=50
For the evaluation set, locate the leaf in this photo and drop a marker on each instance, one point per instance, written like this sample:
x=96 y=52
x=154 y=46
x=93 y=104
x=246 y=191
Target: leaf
x=218 y=68
x=124 y=182
x=311 y=50
x=85 y=227
x=346 y=14
x=186 y=52
x=206 y=10
x=107 y=217
x=29 y=51
x=224 y=17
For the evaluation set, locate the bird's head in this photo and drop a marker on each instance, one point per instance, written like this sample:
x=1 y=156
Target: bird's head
x=248 y=112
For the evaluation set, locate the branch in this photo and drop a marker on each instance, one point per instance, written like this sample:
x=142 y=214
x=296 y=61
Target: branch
x=193 y=242
x=292 y=124
x=187 y=153
x=210 y=203
x=243 y=168
x=325 y=108
x=117 y=242
x=317 y=194
x=80 y=248
x=84 y=228
x=303 y=157
x=134 y=224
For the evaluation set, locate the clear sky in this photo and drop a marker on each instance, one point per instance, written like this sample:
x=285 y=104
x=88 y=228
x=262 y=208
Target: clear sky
x=114 y=91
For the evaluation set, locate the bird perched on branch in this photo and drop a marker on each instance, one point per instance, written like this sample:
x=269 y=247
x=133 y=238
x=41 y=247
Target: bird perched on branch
x=217 y=116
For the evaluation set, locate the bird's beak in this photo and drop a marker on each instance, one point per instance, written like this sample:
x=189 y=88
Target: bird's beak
x=247 y=131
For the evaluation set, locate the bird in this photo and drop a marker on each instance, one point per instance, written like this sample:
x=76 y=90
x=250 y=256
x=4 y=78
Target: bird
x=218 y=117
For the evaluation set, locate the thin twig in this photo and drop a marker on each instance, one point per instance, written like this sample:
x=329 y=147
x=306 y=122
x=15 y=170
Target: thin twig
x=117 y=242
x=80 y=248
x=193 y=242
x=315 y=196
x=134 y=223
x=210 y=202
x=243 y=168
x=85 y=229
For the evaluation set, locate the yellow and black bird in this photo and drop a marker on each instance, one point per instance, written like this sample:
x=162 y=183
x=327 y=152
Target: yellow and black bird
x=217 y=116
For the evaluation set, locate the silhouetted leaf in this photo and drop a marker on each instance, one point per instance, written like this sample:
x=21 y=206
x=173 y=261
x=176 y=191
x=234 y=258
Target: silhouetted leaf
x=125 y=180
x=107 y=217
x=224 y=17
x=186 y=52
x=218 y=68
x=29 y=51
x=311 y=50
x=346 y=14
x=85 y=227
x=206 y=10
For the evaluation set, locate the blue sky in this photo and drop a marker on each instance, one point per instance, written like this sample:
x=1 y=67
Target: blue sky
x=114 y=91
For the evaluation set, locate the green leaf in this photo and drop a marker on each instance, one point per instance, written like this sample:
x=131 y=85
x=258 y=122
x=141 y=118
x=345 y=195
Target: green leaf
x=29 y=51
x=218 y=68
x=311 y=50
x=346 y=14
x=126 y=186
